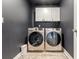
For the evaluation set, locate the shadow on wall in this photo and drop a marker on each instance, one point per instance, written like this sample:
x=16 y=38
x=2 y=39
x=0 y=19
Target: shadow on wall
x=14 y=28
x=67 y=24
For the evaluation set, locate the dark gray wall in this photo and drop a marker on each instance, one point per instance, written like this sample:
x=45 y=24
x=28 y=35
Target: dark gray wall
x=17 y=18
x=14 y=30
x=67 y=24
x=45 y=2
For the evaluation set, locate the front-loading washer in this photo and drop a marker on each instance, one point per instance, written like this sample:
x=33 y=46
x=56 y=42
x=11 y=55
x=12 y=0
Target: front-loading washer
x=53 y=39
x=35 y=39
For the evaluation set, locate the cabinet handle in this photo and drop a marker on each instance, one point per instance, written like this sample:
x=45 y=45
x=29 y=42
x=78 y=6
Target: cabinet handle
x=74 y=30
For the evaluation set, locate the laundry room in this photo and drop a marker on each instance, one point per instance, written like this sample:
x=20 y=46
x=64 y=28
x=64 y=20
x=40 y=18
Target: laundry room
x=41 y=29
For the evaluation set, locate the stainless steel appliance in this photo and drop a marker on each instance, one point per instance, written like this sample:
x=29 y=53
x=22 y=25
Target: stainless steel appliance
x=53 y=39
x=35 y=39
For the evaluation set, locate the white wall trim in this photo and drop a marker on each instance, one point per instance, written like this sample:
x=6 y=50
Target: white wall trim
x=67 y=54
x=18 y=56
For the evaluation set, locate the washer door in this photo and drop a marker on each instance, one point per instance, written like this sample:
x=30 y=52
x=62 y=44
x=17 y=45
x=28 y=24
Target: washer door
x=35 y=39
x=53 y=38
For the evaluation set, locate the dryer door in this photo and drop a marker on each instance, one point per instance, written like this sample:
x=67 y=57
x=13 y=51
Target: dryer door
x=53 y=38
x=35 y=39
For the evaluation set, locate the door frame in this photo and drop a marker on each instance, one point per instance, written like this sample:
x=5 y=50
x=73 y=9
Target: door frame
x=75 y=29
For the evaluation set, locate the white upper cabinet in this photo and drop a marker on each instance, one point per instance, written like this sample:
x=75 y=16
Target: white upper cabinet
x=47 y=14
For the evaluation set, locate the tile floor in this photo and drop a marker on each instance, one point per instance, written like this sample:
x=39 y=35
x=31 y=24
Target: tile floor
x=42 y=55
x=57 y=55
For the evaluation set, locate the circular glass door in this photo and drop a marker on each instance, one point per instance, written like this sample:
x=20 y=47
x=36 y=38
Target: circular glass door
x=35 y=39
x=53 y=38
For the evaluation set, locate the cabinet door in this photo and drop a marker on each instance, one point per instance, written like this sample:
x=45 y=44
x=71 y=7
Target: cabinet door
x=43 y=14
x=55 y=14
x=47 y=14
x=39 y=14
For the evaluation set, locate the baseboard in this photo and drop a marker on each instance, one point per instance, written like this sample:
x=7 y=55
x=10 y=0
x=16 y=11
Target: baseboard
x=67 y=54
x=18 y=56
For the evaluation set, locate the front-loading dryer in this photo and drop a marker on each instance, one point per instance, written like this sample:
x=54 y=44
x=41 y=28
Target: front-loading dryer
x=35 y=39
x=53 y=39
